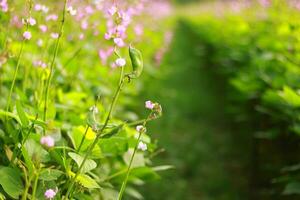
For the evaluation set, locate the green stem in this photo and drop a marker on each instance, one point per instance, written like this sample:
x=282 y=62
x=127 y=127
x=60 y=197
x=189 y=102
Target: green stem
x=35 y=184
x=90 y=149
x=48 y=83
x=83 y=138
x=17 y=67
x=123 y=187
x=14 y=78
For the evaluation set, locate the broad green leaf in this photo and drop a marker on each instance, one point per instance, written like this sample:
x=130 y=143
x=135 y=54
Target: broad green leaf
x=50 y=174
x=292 y=188
x=114 y=145
x=22 y=114
x=36 y=152
x=87 y=166
x=138 y=160
x=290 y=96
x=11 y=182
x=87 y=181
x=28 y=160
x=144 y=173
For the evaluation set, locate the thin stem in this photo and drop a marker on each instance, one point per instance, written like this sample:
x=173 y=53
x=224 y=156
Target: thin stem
x=17 y=66
x=83 y=138
x=48 y=83
x=90 y=149
x=35 y=184
x=14 y=78
x=123 y=187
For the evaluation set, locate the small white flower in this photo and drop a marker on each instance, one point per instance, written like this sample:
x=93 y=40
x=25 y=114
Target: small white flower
x=120 y=62
x=54 y=35
x=140 y=128
x=142 y=146
x=71 y=10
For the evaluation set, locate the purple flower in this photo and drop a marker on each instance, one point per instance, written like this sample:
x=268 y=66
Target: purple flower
x=119 y=42
x=32 y=21
x=43 y=28
x=149 y=105
x=50 y=193
x=120 y=62
x=47 y=141
x=3 y=5
x=27 y=35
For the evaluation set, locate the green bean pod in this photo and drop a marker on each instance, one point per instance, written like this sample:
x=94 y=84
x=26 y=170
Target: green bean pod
x=136 y=62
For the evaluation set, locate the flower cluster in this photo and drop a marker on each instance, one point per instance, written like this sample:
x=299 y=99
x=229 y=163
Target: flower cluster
x=4 y=5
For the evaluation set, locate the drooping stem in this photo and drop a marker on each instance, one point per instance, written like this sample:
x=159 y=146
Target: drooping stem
x=91 y=147
x=48 y=83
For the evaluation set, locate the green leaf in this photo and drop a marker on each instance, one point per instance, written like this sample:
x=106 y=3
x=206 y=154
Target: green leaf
x=290 y=96
x=11 y=182
x=36 y=152
x=50 y=174
x=87 y=181
x=292 y=188
x=114 y=145
x=22 y=114
x=144 y=173
x=113 y=132
x=163 y=168
x=87 y=166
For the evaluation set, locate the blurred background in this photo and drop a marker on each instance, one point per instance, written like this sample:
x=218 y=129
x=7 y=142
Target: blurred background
x=229 y=86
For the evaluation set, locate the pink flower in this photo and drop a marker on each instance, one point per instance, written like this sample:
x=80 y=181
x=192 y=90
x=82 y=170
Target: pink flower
x=103 y=55
x=50 y=193
x=84 y=24
x=32 y=21
x=53 y=17
x=27 y=35
x=43 y=28
x=149 y=105
x=47 y=141
x=39 y=63
x=4 y=5
x=89 y=10
x=107 y=36
x=265 y=3
x=120 y=62
x=119 y=42
x=121 y=29
x=112 y=10
x=81 y=36
x=138 y=29
x=54 y=35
